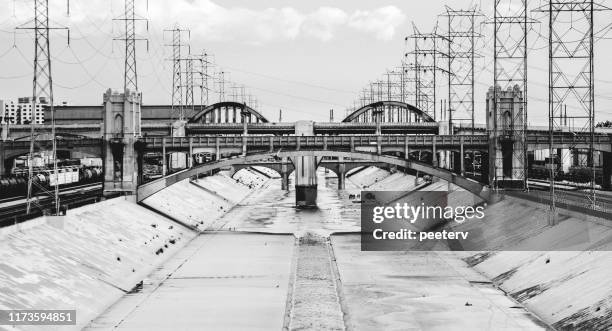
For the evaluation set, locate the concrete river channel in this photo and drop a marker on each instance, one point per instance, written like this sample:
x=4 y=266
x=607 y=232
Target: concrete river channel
x=267 y=265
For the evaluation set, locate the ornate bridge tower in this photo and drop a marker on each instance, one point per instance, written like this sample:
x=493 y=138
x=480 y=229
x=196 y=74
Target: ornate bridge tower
x=122 y=157
x=506 y=138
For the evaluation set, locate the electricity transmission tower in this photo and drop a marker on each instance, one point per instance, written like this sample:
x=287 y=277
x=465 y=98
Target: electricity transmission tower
x=221 y=84
x=509 y=122
x=461 y=38
x=571 y=90
x=178 y=107
x=130 y=76
x=42 y=92
x=189 y=84
x=204 y=64
x=426 y=66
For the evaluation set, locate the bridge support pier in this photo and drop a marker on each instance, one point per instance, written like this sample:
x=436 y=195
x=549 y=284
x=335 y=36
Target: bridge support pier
x=190 y=153
x=178 y=160
x=164 y=158
x=122 y=162
x=2 y=159
x=566 y=158
x=461 y=159
x=607 y=171
x=341 y=174
x=284 y=175
x=434 y=153
x=305 y=170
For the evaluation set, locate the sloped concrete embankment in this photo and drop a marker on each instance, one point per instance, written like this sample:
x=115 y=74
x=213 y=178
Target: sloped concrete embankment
x=199 y=203
x=565 y=282
x=90 y=258
x=86 y=260
x=567 y=288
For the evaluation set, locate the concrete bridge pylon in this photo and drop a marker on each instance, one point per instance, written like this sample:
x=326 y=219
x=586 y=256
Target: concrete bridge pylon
x=305 y=170
x=122 y=157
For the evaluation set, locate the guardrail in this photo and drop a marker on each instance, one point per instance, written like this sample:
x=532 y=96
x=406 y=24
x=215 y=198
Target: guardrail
x=314 y=142
x=64 y=143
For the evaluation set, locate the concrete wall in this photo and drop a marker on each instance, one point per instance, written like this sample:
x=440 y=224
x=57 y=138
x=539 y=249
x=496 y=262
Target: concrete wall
x=199 y=204
x=569 y=289
x=368 y=176
x=86 y=260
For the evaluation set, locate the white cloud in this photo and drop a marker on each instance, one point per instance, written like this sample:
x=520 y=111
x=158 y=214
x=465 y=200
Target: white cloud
x=322 y=23
x=211 y=21
x=383 y=22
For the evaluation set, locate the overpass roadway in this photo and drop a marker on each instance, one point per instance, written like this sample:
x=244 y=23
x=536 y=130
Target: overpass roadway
x=381 y=143
x=236 y=143
x=96 y=130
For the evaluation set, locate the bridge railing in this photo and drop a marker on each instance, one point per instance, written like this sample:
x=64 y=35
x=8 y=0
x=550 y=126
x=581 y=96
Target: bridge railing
x=21 y=144
x=562 y=138
x=312 y=142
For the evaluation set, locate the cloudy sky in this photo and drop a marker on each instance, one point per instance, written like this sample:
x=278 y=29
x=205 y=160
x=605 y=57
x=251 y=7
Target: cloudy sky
x=304 y=57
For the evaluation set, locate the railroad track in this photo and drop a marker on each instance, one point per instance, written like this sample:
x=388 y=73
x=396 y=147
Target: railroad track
x=579 y=201
x=70 y=198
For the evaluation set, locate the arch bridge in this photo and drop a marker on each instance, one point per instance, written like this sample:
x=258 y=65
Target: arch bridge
x=389 y=112
x=228 y=112
x=148 y=189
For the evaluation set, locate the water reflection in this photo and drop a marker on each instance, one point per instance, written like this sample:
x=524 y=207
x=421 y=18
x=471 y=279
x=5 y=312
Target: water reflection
x=273 y=210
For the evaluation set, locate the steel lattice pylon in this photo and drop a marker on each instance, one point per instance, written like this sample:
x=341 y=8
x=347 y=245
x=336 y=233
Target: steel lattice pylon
x=426 y=66
x=42 y=92
x=178 y=107
x=189 y=84
x=509 y=122
x=461 y=53
x=204 y=64
x=130 y=75
x=571 y=88
x=221 y=83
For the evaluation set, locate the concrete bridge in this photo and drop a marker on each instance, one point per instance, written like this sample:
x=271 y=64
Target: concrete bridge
x=231 y=144
x=340 y=167
x=19 y=131
x=148 y=189
x=385 y=132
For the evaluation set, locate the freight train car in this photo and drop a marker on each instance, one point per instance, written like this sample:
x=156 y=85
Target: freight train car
x=69 y=175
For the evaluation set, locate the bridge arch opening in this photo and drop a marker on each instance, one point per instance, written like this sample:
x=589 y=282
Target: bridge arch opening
x=148 y=189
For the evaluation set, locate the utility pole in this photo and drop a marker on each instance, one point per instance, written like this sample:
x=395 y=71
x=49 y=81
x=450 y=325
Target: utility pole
x=510 y=29
x=130 y=76
x=570 y=89
x=42 y=91
x=461 y=39
x=221 y=86
x=189 y=84
x=425 y=68
x=178 y=109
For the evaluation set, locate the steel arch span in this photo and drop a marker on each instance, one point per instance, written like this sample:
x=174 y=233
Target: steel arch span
x=393 y=111
x=227 y=112
x=148 y=189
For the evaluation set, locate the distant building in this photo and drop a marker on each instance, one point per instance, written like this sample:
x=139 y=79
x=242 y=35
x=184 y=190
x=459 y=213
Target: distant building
x=20 y=112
